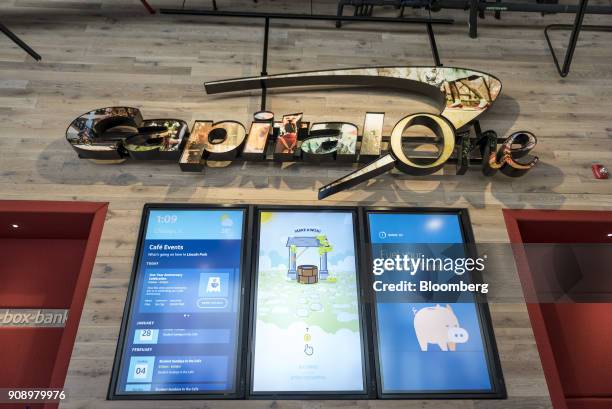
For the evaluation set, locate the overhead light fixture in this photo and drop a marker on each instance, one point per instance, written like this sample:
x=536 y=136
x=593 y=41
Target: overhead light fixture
x=15 y=226
x=609 y=234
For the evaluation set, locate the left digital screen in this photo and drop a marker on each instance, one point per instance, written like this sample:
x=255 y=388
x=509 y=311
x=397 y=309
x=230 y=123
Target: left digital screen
x=183 y=326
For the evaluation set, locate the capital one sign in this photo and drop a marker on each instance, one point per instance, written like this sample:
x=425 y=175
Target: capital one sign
x=114 y=134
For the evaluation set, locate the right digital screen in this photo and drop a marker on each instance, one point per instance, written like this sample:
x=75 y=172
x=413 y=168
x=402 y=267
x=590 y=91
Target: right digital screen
x=426 y=345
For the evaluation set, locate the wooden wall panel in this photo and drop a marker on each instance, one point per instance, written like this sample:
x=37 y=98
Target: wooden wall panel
x=111 y=52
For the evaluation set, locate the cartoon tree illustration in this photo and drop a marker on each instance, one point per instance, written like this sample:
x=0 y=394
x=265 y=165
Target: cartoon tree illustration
x=324 y=246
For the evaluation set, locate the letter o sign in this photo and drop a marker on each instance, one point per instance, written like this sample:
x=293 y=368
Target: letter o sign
x=441 y=127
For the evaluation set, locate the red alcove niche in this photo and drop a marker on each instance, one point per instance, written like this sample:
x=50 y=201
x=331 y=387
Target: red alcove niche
x=574 y=340
x=47 y=253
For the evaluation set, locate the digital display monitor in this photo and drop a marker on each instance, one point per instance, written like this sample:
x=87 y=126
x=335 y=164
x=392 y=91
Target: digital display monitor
x=425 y=345
x=181 y=331
x=307 y=322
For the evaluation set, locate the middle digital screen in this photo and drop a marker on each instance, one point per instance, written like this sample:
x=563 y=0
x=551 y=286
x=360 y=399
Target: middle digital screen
x=307 y=330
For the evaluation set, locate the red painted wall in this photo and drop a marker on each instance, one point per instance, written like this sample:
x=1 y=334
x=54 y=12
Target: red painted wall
x=39 y=272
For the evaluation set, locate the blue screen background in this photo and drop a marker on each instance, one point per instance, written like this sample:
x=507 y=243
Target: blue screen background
x=404 y=367
x=183 y=328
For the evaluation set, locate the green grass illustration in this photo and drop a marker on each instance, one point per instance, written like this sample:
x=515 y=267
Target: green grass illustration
x=330 y=305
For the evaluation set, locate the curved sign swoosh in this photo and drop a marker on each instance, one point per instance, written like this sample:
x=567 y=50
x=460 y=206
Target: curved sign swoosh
x=112 y=134
x=463 y=94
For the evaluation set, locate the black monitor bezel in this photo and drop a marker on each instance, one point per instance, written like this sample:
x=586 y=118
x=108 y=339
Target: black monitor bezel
x=239 y=383
x=370 y=355
x=367 y=392
x=498 y=390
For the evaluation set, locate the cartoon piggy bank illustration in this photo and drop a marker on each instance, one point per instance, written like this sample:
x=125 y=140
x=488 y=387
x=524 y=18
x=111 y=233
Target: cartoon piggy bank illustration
x=438 y=325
